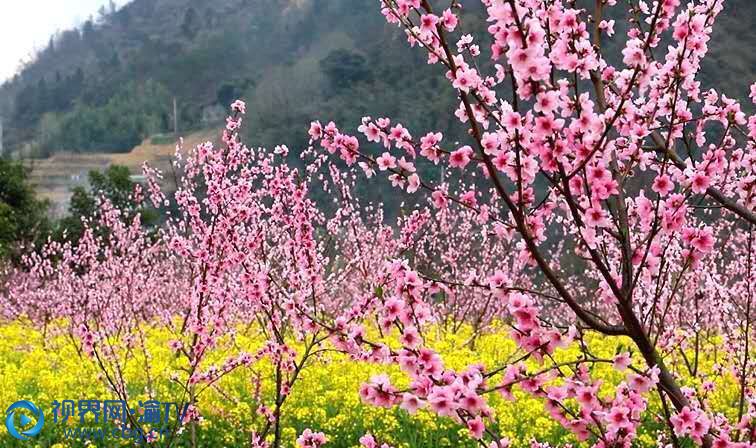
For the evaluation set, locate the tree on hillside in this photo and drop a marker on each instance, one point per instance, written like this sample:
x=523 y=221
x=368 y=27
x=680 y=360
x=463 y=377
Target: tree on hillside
x=190 y=25
x=344 y=68
x=23 y=218
x=135 y=112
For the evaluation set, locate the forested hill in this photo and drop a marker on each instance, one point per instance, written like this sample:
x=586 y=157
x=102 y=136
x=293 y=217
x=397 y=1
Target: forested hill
x=111 y=82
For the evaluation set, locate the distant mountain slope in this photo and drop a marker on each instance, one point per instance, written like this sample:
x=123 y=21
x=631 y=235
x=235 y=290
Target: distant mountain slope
x=86 y=90
x=111 y=83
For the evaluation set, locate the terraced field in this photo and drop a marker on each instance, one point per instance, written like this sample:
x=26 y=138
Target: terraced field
x=55 y=177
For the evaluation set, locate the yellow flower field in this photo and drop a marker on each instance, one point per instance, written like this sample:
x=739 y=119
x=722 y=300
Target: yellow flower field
x=46 y=366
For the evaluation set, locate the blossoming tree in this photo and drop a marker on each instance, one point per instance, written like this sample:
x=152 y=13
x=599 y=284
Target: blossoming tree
x=101 y=291
x=641 y=176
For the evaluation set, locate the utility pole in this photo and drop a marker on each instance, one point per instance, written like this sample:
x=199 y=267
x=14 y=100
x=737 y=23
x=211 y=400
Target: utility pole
x=175 y=117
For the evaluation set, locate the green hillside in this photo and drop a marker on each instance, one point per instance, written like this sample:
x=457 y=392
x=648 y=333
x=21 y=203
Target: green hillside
x=110 y=83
